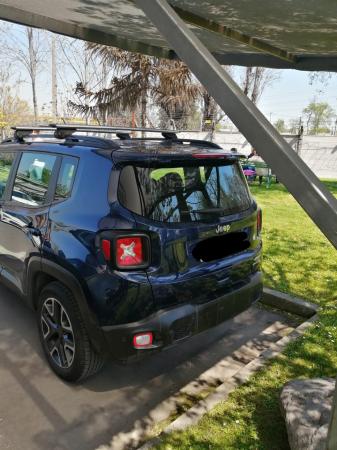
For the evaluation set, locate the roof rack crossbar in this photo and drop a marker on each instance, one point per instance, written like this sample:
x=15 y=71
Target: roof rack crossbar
x=121 y=132
x=21 y=132
x=107 y=129
x=66 y=131
x=62 y=131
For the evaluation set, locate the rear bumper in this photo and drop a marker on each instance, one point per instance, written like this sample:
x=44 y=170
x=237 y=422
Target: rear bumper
x=172 y=325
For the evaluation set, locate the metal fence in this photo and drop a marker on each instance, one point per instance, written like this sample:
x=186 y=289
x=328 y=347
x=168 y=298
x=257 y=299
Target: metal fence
x=318 y=152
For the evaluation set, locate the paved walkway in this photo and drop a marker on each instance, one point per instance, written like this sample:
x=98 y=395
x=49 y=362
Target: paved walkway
x=38 y=411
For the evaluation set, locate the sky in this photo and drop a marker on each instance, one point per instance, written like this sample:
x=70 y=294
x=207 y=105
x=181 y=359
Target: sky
x=284 y=99
x=288 y=97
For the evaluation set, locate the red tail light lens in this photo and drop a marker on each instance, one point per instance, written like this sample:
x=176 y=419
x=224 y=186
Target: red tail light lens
x=106 y=249
x=259 y=222
x=143 y=340
x=126 y=252
x=129 y=251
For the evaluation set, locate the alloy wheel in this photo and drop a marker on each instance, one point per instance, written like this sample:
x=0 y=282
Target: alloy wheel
x=57 y=333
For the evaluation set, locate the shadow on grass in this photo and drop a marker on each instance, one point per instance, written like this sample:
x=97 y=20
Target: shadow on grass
x=302 y=265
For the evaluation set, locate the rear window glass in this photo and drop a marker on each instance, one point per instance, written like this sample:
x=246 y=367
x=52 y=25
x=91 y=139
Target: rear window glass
x=184 y=194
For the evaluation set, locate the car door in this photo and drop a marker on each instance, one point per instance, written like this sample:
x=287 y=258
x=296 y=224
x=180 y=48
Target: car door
x=24 y=215
x=7 y=161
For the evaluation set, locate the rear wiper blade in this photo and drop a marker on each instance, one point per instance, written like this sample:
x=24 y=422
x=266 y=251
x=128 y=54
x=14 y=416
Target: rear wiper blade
x=204 y=210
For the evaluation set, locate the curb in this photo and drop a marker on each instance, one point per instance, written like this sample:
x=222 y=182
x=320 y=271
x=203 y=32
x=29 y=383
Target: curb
x=273 y=298
x=288 y=303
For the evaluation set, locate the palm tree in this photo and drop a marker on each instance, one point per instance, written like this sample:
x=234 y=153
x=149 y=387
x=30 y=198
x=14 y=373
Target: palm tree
x=137 y=79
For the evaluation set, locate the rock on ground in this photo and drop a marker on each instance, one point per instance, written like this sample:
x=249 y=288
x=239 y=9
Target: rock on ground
x=306 y=406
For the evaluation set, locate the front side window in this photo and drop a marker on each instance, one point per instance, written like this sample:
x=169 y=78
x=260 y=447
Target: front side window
x=33 y=178
x=184 y=194
x=66 y=178
x=6 y=162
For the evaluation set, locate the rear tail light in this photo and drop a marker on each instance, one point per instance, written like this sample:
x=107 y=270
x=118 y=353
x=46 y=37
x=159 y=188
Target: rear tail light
x=259 y=222
x=143 y=340
x=127 y=251
x=106 y=249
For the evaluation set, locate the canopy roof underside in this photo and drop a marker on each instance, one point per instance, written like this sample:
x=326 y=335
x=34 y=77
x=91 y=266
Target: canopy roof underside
x=299 y=34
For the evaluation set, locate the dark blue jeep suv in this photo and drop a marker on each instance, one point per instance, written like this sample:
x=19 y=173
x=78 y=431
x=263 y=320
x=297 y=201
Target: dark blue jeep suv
x=124 y=246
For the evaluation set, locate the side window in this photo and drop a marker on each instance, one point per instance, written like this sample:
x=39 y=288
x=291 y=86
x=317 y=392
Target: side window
x=66 y=178
x=6 y=162
x=32 y=178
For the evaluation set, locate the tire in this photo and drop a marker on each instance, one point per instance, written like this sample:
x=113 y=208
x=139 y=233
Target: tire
x=63 y=335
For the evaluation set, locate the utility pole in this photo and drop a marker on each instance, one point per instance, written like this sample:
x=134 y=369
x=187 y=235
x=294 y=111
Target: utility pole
x=32 y=66
x=299 y=136
x=53 y=76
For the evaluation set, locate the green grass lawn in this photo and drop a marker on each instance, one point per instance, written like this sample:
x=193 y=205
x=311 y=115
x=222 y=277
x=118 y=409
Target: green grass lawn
x=297 y=259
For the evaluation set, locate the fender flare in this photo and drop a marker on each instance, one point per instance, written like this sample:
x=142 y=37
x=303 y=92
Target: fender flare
x=38 y=266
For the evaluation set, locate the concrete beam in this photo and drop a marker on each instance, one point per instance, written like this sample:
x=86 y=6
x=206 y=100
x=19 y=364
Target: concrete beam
x=310 y=193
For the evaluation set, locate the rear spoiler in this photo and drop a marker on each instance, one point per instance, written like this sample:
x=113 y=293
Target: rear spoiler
x=154 y=158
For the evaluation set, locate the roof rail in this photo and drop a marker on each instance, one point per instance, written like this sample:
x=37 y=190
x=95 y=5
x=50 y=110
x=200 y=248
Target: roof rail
x=106 y=129
x=62 y=131
x=67 y=131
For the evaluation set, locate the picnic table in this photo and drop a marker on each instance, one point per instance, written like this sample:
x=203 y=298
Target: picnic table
x=253 y=168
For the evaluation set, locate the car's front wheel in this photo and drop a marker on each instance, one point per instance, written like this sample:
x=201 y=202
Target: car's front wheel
x=63 y=335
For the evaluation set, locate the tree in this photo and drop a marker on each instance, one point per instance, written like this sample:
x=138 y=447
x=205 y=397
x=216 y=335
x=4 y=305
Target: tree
x=280 y=125
x=322 y=78
x=75 y=61
x=54 y=76
x=209 y=112
x=13 y=110
x=256 y=79
x=138 y=79
x=318 y=116
x=295 y=126
x=31 y=63
x=26 y=47
x=175 y=91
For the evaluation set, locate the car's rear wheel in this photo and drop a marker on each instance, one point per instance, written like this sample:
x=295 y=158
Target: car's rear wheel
x=63 y=335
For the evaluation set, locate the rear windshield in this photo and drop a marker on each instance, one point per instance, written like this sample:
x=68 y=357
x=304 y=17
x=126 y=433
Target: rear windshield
x=184 y=194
